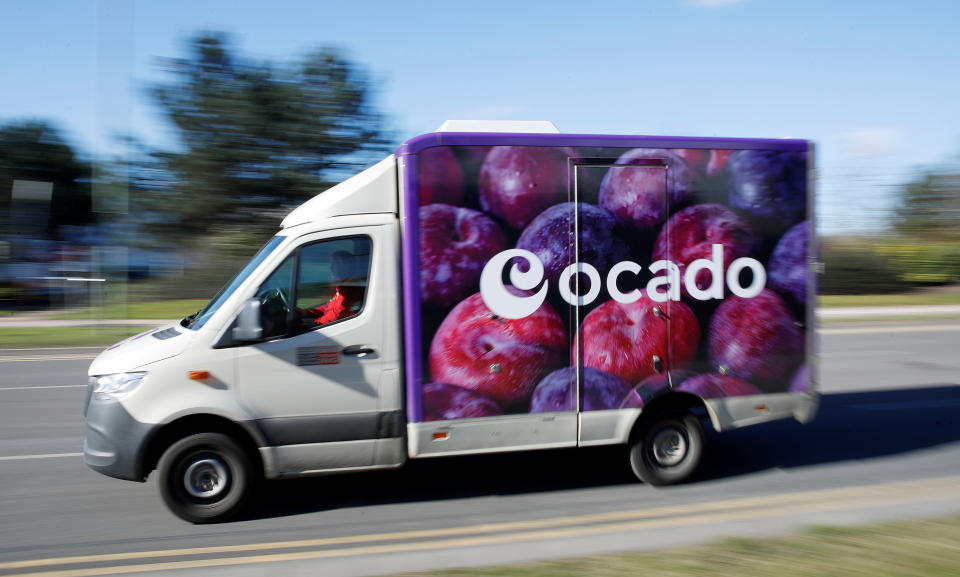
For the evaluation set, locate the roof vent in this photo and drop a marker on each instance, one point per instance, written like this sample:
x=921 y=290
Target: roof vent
x=526 y=126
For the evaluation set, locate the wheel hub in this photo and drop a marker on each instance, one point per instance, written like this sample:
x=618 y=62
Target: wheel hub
x=669 y=447
x=205 y=478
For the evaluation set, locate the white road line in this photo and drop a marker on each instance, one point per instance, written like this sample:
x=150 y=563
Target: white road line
x=48 y=456
x=41 y=349
x=40 y=359
x=42 y=387
x=882 y=330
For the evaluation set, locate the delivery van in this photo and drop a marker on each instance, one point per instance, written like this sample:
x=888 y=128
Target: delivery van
x=487 y=287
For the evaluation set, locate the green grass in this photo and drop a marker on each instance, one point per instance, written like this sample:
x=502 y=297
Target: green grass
x=173 y=309
x=23 y=337
x=915 y=549
x=887 y=300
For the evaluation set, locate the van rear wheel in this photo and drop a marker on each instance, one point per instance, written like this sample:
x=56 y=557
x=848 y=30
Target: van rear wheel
x=206 y=478
x=667 y=449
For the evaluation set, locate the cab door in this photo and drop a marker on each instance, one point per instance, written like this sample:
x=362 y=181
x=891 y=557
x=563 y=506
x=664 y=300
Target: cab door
x=314 y=383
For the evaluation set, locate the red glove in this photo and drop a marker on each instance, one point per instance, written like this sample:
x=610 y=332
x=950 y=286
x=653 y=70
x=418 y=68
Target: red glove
x=332 y=311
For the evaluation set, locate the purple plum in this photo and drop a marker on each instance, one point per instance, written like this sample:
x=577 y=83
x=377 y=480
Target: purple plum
x=590 y=173
x=713 y=386
x=637 y=195
x=787 y=269
x=756 y=339
x=548 y=236
x=623 y=338
x=442 y=402
x=440 y=177
x=556 y=392
x=600 y=391
x=501 y=358
x=519 y=182
x=455 y=243
x=770 y=186
x=691 y=233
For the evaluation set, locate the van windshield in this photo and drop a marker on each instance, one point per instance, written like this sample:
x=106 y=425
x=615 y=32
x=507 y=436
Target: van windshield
x=198 y=320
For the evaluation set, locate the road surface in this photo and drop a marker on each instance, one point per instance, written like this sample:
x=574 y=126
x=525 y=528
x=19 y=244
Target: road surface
x=885 y=445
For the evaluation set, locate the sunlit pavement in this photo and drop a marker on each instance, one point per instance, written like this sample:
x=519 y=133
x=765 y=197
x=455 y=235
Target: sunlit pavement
x=900 y=311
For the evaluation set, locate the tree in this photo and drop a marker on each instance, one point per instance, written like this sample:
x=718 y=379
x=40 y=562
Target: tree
x=929 y=206
x=926 y=249
x=259 y=137
x=35 y=151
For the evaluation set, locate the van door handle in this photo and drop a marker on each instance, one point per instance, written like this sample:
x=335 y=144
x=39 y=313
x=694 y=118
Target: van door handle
x=358 y=350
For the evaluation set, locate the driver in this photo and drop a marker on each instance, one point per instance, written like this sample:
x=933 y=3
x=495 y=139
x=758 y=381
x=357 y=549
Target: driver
x=347 y=297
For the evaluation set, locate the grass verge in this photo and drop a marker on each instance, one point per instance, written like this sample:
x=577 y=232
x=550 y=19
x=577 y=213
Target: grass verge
x=24 y=337
x=916 y=548
x=891 y=300
x=172 y=309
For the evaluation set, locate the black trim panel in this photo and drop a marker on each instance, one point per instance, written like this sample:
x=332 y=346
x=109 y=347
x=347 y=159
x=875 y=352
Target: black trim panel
x=332 y=428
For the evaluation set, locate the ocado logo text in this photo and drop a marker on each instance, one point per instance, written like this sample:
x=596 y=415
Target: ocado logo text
x=660 y=288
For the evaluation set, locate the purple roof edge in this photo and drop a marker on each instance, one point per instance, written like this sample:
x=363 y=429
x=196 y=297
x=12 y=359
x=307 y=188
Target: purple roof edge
x=423 y=141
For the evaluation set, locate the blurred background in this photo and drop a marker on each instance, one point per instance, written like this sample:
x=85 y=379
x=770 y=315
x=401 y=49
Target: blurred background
x=147 y=149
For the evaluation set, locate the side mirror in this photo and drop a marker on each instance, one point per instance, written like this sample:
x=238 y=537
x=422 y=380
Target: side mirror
x=248 y=322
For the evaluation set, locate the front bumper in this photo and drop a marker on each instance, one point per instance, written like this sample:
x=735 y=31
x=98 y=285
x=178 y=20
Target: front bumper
x=115 y=442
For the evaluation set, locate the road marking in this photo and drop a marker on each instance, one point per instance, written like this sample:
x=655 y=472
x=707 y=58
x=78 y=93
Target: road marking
x=42 y=387
x=519 y=531
x=891 y=330
x=47 y=456
x=43 y=358
x=56 y=349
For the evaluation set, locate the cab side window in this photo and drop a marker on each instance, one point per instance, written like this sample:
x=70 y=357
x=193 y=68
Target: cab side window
x=319 y=284
x=332 y=280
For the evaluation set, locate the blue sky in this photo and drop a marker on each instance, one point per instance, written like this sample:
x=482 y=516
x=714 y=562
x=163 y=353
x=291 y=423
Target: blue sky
x=874 y=83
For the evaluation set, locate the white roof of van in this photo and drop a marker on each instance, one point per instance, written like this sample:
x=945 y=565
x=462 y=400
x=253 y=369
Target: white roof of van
x=524 y=126
x=379 y=184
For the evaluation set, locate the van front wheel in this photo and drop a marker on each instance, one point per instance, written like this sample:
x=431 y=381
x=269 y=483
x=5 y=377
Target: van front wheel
x=667 y=449
x=206 y=478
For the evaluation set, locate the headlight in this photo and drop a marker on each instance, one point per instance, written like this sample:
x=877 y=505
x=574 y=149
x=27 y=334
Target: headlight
x=116 y=386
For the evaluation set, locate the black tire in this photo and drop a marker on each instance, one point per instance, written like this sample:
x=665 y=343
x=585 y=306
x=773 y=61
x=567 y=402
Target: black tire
x=206 y=478
x=666 y=449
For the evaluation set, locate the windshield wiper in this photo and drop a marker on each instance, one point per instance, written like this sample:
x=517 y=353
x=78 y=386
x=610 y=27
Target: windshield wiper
x=188 y=321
